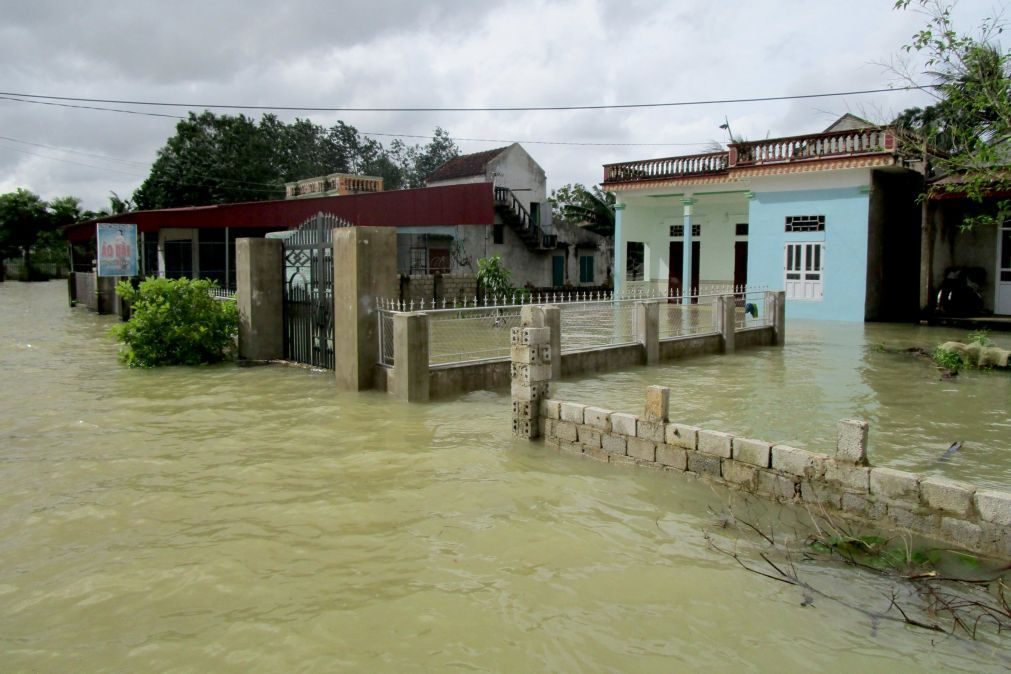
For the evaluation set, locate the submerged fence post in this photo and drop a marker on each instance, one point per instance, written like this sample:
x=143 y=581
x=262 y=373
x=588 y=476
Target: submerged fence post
x=105 y=294
x=410 y=357
x=259 y=281
x=553 y=321
x=530 y=371
x=779 y=317
x=727 y=308
x=647 y=326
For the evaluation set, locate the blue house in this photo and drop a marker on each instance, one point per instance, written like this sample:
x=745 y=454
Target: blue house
x=831 y=218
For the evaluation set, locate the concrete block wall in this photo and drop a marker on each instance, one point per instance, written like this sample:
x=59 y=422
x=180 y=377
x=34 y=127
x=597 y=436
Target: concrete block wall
x=841 y=481
x=426 y=287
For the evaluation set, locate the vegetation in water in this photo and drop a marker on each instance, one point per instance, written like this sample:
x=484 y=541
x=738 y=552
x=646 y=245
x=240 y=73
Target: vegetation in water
x=949 y=360
x=175 y=322
x=981 y=337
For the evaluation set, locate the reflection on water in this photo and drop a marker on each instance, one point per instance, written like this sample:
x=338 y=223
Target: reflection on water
x=253 y=519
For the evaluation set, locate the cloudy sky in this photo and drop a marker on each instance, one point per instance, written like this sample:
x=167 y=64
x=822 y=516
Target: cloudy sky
x=437 y=53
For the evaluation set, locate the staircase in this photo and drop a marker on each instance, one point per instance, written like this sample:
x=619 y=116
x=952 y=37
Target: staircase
x=514 y=214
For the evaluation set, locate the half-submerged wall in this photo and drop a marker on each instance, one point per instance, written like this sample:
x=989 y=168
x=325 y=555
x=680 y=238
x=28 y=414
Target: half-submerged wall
x=842 y=483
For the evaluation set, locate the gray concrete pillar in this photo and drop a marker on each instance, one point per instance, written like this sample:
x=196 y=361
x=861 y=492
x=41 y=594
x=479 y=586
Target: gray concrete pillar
x=727 y=309
x=851 y=442
x=647 y=325
x=105 y=294
x=259 y=276
x=779 y=317
x=553 y=320
x=71 y=285
x=410 y=357
x=529 y=372
x=365 y=270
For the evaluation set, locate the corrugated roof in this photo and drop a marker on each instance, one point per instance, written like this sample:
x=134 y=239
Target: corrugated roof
x=465 y=165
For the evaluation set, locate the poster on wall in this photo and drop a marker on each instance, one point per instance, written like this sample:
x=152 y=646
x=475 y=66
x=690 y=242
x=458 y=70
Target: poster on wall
x=117 y=249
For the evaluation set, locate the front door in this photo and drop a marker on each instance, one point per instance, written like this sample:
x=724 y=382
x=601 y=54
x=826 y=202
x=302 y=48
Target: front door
x=741 y=264
x=676 y=263
x=1002 y=303
x=558 y=271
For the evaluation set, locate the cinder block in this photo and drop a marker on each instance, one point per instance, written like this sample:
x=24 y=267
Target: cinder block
x=523 y=428
x=549 y=428
x=623 y=424
x=716 y=443
x=569 y=447
x=777 y=486
x=912 y=519
x=799 y=462
x=524 y=409
x=848 y=476
x=614 y=444
x=531 y=316
x=680 y=435
x=755 y=452
x=527 y=355
x=644 y=450
x=657 y=404
x=864 y=505
x=851 y=443
x=675 y=457
x=649 y=430
x=820 y=493
x=964 y=534
x=525 y=374
x=743 y=475
x=704 y=464
x=545 y=353
x=566 y=430
x=947 y=495
x=622 y=460
x=895 y=485
x=595 y=453
x=536 y=336
x=572 y=412
x=536 y=392
x=551 y=409
x=598 y=417
x=589 y=437
x=994 y=506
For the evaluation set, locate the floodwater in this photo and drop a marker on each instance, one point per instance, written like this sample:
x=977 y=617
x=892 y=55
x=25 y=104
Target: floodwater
x=254 y=520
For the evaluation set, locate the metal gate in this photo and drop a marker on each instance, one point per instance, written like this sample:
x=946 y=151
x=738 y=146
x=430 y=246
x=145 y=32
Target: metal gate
x=308 y=291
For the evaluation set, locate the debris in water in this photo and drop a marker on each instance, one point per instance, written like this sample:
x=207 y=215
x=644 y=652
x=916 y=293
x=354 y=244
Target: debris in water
x=950 y=452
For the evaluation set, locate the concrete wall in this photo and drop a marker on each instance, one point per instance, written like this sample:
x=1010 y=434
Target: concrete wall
x=840 y=481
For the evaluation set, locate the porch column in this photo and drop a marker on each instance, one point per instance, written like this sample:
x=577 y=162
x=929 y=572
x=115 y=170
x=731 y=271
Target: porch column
x=686 y=267
x=619 y=250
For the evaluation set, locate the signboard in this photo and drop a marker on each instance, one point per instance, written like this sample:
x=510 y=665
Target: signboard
x=117 y=249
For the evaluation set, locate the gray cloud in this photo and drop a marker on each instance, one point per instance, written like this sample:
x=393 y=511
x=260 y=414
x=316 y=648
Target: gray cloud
x=436 y=53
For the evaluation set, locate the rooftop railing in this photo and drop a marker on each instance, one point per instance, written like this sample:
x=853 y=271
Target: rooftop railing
x=711 y=163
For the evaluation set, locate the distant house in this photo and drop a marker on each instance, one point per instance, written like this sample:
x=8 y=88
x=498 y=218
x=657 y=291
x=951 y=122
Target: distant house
x=831 y=218
x=536 y=251
x=332 y=185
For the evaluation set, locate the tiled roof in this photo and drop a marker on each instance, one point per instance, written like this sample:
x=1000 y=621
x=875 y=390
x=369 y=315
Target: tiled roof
x=465 y=165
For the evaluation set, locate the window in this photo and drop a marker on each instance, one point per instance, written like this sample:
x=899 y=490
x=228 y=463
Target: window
x=696 y=230
x=741 y=229
x=535 y=213
x=635 y=258
x=498 y=234
x=677 y=230
x=804 y=270
x=586 y=268
x=805 y=223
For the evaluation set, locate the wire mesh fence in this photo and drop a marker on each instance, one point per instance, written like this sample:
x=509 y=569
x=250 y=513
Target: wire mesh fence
x=386 y=337
x=460 y=335
x=753 y=309
x=685 y=320
x=585 y=325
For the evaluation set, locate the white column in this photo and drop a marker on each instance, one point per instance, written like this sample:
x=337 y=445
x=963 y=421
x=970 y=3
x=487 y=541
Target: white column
x=686 y=267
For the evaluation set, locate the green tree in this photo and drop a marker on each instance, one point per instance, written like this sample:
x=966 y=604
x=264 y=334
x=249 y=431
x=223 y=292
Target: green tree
x=24 y=216
x=175 y=322
x=971 y=121
x=493 y=277
x=592 y=209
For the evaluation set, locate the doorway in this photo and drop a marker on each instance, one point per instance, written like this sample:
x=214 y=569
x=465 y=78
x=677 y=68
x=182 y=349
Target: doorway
x=676 y=263
x=558 y=271
x=1002 y=301
x=740 y=264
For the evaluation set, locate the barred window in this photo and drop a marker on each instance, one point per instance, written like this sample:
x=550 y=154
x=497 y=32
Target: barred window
x=805 y=223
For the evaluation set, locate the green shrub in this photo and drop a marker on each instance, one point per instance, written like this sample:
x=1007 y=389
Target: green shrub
x=175 y=322
x=981 y=337
x=948 y=359
x=493 y=276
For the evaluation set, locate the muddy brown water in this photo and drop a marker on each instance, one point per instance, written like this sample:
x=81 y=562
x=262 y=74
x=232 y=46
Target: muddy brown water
x=254 y=520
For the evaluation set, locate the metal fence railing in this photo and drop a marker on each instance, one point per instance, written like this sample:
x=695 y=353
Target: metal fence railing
x=222 y=293
x=474 y=331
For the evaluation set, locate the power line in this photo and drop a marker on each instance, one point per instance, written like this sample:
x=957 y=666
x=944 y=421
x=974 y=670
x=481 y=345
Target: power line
x=544 y=108
x=139 y=164
x=90 y=107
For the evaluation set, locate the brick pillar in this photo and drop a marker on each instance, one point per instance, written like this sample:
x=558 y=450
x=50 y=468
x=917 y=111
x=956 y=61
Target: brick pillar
x=365 y=269
x=647 y=322
x=553 y=321
x=530 y=371
x=727 y=309
x=410 y=380
x=779 y=317
x=259 y=278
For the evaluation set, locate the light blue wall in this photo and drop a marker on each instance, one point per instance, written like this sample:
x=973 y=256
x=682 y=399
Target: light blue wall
x=845 y=236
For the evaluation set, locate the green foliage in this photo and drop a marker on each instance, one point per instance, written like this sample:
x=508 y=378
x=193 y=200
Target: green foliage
x=28 y=224
x=175 y=322
x=981 y=337
x=949 y=360
x=493 y=277
x=217 y=159
x=576 y=205
x=971 y=122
